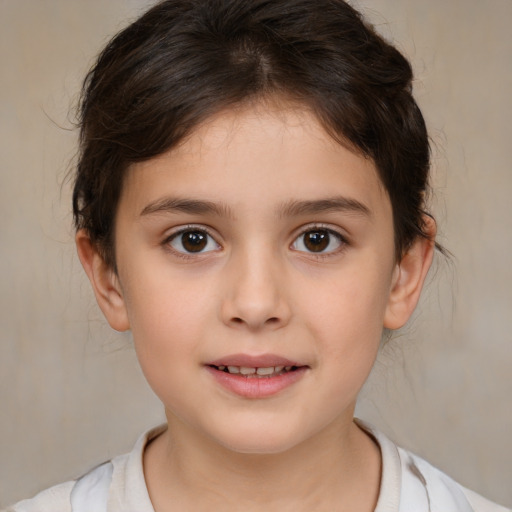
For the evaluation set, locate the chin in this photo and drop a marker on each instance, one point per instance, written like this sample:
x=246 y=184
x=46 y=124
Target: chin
x=259 y=446
x=259 y=439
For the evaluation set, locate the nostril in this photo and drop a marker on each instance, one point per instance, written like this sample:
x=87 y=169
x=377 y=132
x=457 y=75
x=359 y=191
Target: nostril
x=269 y=321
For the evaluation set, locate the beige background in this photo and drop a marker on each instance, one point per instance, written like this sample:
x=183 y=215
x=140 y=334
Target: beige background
x=71 y=393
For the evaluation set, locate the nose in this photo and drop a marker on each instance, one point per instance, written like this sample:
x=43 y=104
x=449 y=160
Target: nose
x=254 y=295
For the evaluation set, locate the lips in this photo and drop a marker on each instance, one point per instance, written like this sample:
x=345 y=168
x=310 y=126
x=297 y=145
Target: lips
x=248 y=361
x=256 y=376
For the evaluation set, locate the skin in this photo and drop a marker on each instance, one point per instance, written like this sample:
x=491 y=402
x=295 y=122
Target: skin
x=257 y=288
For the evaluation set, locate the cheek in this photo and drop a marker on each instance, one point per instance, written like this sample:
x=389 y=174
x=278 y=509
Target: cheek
x=167 y=332
x=347 y=314
x=168 y=318
x=347 y=329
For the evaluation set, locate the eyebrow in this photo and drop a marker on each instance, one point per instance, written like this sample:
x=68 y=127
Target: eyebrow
x=329 y=205
x=289 y=209
x=192 y=206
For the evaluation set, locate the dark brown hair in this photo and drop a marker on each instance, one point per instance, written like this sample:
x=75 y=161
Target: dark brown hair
x=185 y=60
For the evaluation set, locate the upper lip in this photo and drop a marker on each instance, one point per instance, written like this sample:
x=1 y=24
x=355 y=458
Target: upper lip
x=249 y=361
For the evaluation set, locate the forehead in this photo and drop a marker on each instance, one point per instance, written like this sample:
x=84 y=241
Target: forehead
x=257 y=155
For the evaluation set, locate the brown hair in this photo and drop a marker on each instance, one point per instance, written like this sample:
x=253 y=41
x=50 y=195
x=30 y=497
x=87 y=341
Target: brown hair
x=185 y=60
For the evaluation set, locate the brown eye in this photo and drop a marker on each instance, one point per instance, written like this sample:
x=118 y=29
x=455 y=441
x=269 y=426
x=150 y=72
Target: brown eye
x=318 y=241
x=193 y=241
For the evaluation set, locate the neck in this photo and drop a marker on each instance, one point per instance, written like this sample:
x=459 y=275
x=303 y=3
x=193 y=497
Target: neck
x=337 y=469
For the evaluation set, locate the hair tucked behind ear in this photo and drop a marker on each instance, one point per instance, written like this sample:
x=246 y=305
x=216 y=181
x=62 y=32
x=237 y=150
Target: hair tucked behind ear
x=185 y=60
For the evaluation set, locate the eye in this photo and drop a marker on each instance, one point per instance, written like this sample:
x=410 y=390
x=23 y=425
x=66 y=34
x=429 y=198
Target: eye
x=192 y=241
x=319 y=241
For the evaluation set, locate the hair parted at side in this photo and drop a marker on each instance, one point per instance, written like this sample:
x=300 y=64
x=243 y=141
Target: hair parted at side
x=186 y=60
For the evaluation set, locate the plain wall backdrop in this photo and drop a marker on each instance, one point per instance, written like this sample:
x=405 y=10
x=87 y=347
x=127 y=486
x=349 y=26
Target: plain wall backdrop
x=71 y=393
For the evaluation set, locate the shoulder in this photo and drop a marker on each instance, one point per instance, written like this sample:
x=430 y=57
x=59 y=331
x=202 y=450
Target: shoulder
x=409 y=483
x=54 y=499
x=117 y=485
x=421 y=479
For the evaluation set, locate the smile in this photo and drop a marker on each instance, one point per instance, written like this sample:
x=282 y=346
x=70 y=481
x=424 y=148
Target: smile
x=256 y=377
x=253 y=372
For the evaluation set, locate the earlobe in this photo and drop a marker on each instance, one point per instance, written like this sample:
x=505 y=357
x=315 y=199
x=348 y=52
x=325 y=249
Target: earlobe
x=104 y=281
x=409 y=277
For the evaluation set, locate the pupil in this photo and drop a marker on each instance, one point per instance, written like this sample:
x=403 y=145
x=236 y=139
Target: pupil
x=194 y=241
x=316 y=241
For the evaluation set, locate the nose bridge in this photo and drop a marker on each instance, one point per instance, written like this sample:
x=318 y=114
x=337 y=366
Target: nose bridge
x=255 y=294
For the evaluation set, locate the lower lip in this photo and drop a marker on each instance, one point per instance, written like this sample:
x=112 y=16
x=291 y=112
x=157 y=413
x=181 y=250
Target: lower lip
x=256 y=387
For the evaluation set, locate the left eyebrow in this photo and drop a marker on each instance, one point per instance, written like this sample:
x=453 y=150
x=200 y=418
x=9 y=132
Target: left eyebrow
x=192 y=206
x=328 y=205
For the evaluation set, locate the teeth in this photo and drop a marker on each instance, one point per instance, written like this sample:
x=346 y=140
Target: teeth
x=247 y=371
x=264 y=372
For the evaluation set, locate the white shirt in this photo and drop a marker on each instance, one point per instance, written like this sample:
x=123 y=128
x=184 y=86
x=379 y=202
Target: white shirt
x=408 y=484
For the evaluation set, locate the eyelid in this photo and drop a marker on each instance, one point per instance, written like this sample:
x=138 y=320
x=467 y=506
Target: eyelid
x=177 y=231
x=332 y=230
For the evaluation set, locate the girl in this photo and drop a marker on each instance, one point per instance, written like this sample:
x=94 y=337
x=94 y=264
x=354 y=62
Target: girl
x=250 y=203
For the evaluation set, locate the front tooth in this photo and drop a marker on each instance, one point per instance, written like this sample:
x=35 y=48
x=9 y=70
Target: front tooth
x=279 y=369
x=233 y=369
x=265 y=371
x=247 y=371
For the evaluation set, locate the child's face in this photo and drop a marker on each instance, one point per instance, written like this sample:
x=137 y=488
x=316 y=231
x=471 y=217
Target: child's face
x=259 y=237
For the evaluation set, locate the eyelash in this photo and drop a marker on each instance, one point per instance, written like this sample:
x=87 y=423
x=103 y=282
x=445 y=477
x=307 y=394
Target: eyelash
x=341 y=239
x=343 y=242
x=186 y=229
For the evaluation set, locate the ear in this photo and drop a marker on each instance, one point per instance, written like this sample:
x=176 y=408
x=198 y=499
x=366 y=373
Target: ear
x=409 y=276
x=105 y=282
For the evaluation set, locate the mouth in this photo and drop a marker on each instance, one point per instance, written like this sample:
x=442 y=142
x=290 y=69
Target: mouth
x=256 y=376
x=260 y=372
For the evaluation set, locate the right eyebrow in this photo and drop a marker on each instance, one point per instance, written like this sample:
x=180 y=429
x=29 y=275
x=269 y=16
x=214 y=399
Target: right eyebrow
x=192 y=206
